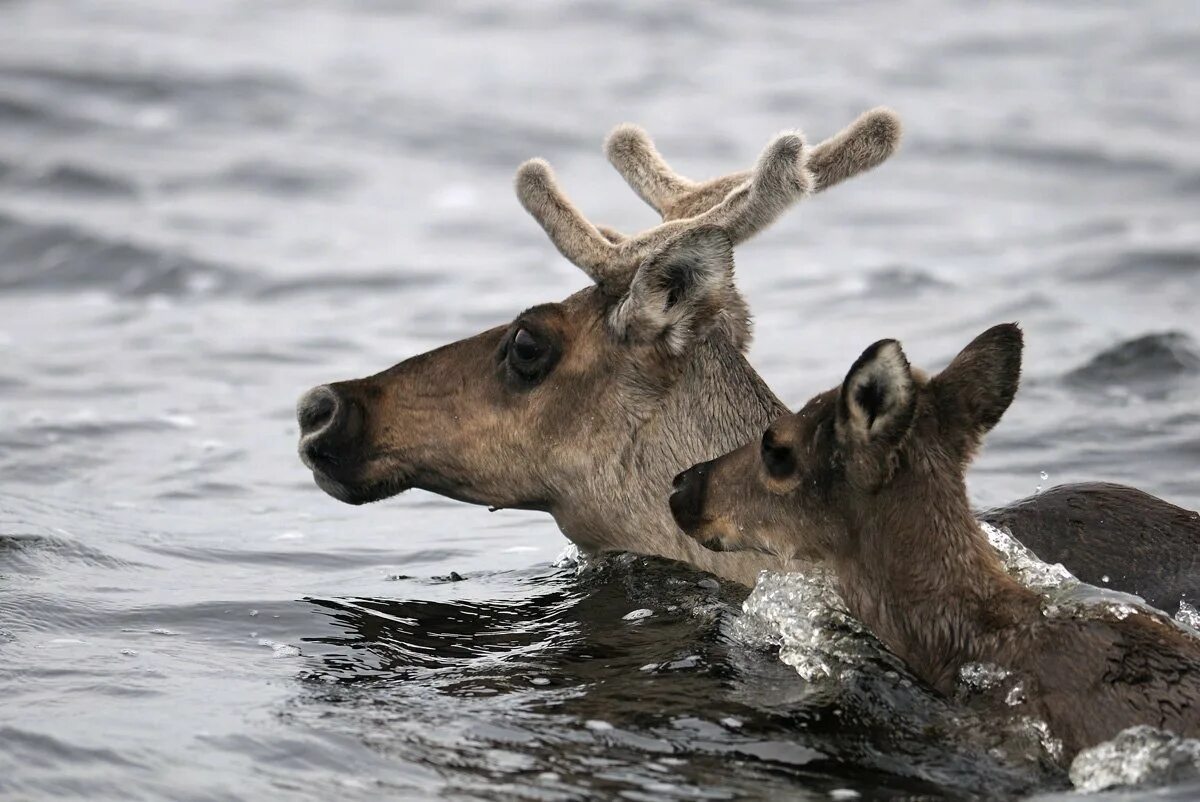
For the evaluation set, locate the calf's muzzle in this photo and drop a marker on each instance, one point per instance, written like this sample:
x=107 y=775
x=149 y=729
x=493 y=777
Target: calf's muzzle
x=687 y=499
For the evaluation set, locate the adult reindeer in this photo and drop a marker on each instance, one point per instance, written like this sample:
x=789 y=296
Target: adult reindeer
x=587 y=408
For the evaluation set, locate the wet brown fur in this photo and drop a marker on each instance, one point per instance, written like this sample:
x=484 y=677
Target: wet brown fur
x=871 y=483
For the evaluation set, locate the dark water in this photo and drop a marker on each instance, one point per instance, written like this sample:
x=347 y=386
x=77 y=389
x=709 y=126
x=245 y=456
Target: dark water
x=206 y=208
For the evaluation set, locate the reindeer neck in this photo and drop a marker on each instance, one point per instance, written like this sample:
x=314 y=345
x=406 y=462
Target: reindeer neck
x=718 y=403
x=924 y=580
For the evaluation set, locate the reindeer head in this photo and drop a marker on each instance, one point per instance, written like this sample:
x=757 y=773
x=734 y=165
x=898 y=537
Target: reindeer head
x=565 y=408
x=883 y=453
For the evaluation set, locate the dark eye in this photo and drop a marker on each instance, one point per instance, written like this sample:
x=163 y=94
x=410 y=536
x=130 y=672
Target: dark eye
x=526 y=347
x=530 y=355
x=778 y=458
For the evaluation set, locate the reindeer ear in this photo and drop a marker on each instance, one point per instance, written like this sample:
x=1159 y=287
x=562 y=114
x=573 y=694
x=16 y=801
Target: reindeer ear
x=979 y=384
x=875 y=406
x=679 y=291
x=875 y=411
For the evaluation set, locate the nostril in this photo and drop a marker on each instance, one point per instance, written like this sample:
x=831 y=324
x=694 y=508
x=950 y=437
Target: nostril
x=316 y=409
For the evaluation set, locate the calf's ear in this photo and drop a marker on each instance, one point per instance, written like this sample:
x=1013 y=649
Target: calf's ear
x=978 y=386
x=875 y=410
x=680 y=291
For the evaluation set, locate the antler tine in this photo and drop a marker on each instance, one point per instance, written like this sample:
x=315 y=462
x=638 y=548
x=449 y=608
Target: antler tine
x=778 y=180
x=865 y=143
x=576 y=238
x=630 y=150
x=742 y=203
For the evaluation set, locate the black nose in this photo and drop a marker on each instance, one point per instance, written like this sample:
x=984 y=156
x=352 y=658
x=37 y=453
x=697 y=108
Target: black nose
x=687 y=502
x=331 y=428
x=316 y=410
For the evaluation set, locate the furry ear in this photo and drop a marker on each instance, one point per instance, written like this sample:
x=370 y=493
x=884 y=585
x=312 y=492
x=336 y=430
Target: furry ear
x=979 y=384
x=680 y=290
x=875 y=411
x=878 y=396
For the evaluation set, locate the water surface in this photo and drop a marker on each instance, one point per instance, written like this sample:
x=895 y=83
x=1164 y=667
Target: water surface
x=207 y=208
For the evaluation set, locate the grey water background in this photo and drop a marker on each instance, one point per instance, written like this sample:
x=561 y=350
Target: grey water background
x=206 y=208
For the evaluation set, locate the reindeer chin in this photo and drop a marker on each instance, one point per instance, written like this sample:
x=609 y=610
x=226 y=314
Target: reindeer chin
x=358 y=495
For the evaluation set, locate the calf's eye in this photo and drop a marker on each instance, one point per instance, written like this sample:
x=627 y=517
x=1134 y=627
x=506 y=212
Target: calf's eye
x=778 y=458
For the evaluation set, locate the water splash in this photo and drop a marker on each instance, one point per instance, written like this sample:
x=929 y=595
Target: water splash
x=982 y=676
x=805 y=617
x=1024 y=565
x=1139 y=756
x=571 y=557
x=280 y=650
x=1188 y=615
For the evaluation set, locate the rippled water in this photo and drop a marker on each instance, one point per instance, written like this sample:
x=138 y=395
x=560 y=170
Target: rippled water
x=207 y=208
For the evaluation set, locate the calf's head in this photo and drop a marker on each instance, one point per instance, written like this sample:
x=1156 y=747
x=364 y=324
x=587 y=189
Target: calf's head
x=565 y=402
x=887 y=448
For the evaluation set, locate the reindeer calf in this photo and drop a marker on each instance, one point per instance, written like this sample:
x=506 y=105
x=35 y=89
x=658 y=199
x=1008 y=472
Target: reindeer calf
x=868 y=479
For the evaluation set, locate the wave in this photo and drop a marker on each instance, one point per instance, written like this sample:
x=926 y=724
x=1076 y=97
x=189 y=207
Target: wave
x=54 y=256
x=1139 y=265
x=67 y=179
x=265 y=177
x=65 y=97
x=1145 y=359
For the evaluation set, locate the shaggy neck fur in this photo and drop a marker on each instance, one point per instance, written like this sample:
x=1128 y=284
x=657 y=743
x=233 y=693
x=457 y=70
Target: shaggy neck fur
x=715 y=403
x=922 y=577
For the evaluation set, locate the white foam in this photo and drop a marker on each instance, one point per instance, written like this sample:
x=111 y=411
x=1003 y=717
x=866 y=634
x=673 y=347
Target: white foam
x=571 y=557
x=804 y=616
x=1138 y=756
x=982 y=676
x=1188 y=615
x=1024 y=565
x=280 y=650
